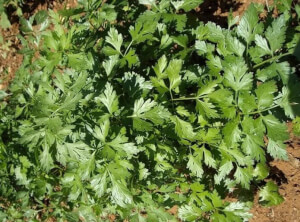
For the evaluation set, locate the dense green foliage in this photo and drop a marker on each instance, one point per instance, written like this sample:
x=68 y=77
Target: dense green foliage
x=128 y=108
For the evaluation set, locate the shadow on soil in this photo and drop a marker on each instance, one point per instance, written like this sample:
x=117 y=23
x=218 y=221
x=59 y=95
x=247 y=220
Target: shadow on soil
x=28 y=9
x=212 y=10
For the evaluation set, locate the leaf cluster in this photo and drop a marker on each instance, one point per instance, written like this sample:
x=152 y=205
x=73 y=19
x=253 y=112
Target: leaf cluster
x=128 y=108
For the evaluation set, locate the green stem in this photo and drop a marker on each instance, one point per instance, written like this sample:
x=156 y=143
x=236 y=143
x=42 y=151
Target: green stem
x=111 y=178
x=172 y=99
x=260 y=111
x=128 y=47
x=187 y=98
x=271 y=59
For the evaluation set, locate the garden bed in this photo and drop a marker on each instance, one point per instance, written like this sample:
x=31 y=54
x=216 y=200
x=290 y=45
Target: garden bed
x=286 y=174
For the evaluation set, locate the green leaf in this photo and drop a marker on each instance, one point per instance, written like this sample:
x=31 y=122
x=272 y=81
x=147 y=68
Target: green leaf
x=223 y=171
x=214 y=64
x=101 y=132
x=182 y=111
x=73 y=151
x=158 y=214
x=26 y=25
x=212 y=136
x=142 y=31
x=248 y=25
x=141 y=107
x=115 y=39
x=263 y=44
x=232 y=133
x=165 y=41
x=181 y=40
x=243 y=176
x=183 y=129
x=206 y=109
x=239 y=209
x=41 y=16
x=208 y=158
x=186 y=5
x=284 y=70
x=252 y=147
x=267 y=73
x=160 y=67
x=224 y=100
x=70 y=102
x=286 y=104
x=195 y=165
x=80 y=61
x=119 y=169
x=276 y=33
x=201 y=46
x=143 y=172
x=246 y=102
x=235 y=73
x=261 y=171
x=235 y=46
x=109 y=99
x=121 y=143
x=46 y=158
x=297 y=9
x=253 y=140
x=120 y=194
x=207 y=88
x=87 y=167
x=150 y=110
x=131 y=59
x=173 y=71
x=232 y=20
x=296 y=126
x=99 y=184
x=275 y=129
x=189 y=213
x=179 y=20
x=277 y=149
x=264 y=92
x=269 y=195
x=109 y=64
x=215 y=33
x=136 y=85
x=235 y=155
x=4 y=22
x=147 y=2
x=21 y=177
x=3 y=94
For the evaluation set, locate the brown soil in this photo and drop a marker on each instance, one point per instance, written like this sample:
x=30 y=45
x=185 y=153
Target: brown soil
x=10 y=59
x=287 y=175
x=218 y=10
